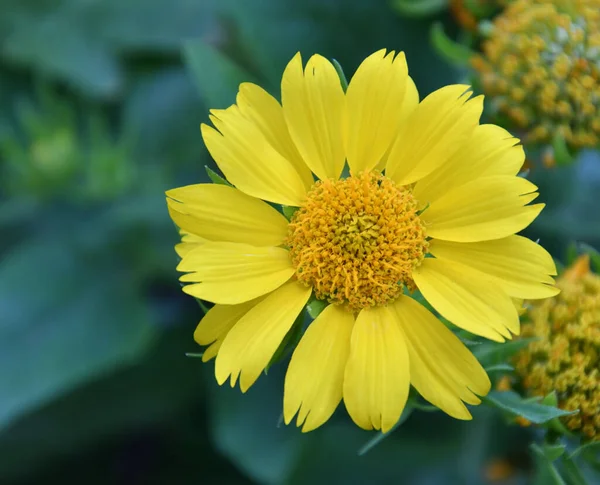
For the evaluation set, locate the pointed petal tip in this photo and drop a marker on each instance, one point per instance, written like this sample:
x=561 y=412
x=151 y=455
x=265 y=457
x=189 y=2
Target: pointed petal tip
x=466 y=416
x=387 y=426
x=220 y=377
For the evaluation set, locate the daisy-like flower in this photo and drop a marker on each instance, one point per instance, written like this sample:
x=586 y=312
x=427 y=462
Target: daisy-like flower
x=432 y=202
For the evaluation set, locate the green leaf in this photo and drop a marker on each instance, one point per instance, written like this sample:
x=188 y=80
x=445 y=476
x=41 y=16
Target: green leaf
x=593 y=446
x=555 y=424
x=562 y=154
x=216 y=76
x=64 y=49
x=547 y=474
x=122 y=402
x=492 y=353
x=244 y=429
x=168 y=124
x=515 y=405
x=450 y=50
x=551 y=399
x=215 y=177
x=340 y=70
x=160 y=29
x=572 y=472
x=289 y=211
x=419 y=8
x=315 y=307
x=554 y=452
x=61 y=325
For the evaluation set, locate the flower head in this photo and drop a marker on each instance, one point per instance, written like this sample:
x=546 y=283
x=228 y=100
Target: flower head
x=566 y=355
x=432 y=202
x=357 y=240
x=541 y=68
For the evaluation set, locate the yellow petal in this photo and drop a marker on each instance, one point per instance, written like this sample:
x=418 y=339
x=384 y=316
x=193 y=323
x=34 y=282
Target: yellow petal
x=315 y=376
x=231 y=273
x=313 y=106
x=211 y=351
x=468 y=300
x=252 y=342
x=518 y=303
x=374 y=103
x=266 y=113
x=216 y=324
x=490 y=150
x=188 y=242
x=442 y=369
x=249 y=161
x=222 y=213
x=376 y=379
x=519 y=266
x=438 y=127
x=483 y=209
x=409 y=104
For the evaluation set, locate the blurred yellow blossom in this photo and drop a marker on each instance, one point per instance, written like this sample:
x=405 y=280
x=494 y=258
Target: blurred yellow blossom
x=540 y=67
x=566 y=356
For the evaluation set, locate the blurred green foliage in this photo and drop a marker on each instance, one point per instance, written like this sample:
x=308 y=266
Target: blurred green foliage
x=100 y=103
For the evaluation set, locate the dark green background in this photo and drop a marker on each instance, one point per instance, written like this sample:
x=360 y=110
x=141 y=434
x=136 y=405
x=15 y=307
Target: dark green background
x=100 y=104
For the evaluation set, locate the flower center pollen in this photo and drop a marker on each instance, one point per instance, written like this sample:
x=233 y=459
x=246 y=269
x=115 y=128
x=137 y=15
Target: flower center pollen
x=357 y=240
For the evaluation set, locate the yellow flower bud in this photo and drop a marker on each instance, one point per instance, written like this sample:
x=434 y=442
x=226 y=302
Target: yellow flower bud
x=541 y=67
x=566 y=356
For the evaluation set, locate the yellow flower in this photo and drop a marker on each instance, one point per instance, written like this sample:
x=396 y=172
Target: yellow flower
x=541 y=68
x=432 y=202
x=566 y=355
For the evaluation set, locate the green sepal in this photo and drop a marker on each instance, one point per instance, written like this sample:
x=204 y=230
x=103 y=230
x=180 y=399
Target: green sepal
x=450 y=50
x=289 y=211
x=340 y=70
x=531 y=409
x=215 y=177
x=467 y=341
x=562 y=155
x=420 y=212
x=202 y=305
x=419 y=8
x=315 y=307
